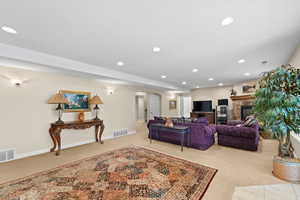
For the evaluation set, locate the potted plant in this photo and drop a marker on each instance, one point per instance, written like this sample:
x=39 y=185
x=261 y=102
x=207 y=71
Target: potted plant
x=277 y=107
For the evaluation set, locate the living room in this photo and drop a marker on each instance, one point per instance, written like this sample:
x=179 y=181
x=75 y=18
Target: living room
x=150 y=100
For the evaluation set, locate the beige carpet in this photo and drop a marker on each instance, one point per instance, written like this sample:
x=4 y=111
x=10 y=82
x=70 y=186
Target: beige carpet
x=268 y=192
x=235 y=167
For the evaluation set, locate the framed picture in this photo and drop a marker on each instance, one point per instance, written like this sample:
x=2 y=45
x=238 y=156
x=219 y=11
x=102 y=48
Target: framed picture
x=249 y=88
x=78 y=101
x=172 y=104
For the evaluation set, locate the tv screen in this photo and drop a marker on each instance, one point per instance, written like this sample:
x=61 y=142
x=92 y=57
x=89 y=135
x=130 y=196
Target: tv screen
x=202 y=106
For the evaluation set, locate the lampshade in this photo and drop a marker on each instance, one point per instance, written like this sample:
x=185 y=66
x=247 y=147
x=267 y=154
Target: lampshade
x=96 y=100
x=58 y=99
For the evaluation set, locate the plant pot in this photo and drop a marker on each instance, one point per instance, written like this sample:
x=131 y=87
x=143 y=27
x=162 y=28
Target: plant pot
x=266 y=134
x=286 y=169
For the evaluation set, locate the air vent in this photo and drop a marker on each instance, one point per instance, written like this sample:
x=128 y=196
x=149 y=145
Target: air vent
x=7 y=155
x=120 y=132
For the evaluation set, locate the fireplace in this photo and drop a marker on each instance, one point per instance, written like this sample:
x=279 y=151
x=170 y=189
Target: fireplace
x=245 y=111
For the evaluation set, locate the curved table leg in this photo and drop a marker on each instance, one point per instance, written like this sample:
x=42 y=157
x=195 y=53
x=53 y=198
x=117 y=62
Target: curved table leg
x=52 y=135
x=99 y=133
x=58 y=140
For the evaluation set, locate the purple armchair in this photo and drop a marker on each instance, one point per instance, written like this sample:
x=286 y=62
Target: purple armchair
x=201 y=135
x=238 y=137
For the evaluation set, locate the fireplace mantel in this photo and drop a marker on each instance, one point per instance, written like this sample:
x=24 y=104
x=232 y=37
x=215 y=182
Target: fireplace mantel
x=242 y=97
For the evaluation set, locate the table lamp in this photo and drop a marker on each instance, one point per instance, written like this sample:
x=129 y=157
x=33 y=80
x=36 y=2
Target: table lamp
x=96 y=100
x=58 y=99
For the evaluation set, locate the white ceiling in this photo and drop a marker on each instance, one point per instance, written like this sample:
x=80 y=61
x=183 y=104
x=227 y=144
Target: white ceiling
x=189 y=33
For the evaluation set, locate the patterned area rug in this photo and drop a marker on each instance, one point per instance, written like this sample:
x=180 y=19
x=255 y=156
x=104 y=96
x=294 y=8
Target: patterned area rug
x=129 y=173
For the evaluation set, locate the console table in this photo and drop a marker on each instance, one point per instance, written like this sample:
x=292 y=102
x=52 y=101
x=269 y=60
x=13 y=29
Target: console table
x=209 y=115
x=160 y=129
x=56 y=128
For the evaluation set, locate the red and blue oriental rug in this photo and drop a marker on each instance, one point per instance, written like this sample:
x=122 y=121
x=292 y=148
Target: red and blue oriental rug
x=132 y=173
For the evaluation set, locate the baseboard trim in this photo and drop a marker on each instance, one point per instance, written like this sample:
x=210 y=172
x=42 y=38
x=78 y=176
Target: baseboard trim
x=42 y=151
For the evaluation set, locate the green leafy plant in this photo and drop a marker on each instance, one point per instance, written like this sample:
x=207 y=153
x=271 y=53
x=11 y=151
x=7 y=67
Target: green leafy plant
x=277 y=105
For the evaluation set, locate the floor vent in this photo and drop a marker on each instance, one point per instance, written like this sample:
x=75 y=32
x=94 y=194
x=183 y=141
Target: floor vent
x=120 y=132
x=6 y=155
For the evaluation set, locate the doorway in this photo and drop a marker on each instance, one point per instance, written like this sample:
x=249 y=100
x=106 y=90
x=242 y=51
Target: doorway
x=154 y=105
x=185 y=106
x=140 y=108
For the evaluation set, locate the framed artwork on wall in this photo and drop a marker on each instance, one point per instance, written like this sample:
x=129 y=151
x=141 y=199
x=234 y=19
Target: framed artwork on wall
x=249 y=88
x=78 y=101
x=172 y=104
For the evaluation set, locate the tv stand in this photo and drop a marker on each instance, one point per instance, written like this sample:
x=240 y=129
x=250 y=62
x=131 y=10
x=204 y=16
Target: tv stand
x=209 y=115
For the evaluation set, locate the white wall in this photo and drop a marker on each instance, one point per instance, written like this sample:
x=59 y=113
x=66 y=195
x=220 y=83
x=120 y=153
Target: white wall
x=25 y=115
x=295 y=59
x=166 y=97
x=212 y=93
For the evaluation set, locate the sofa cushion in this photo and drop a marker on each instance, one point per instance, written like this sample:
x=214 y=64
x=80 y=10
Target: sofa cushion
x=202 y=120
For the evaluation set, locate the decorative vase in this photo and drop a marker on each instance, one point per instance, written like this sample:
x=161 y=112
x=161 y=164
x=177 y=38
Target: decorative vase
x=81 y=116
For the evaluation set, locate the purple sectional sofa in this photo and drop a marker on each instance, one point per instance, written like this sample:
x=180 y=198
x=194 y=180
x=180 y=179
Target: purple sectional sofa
x=201 y=135
x=239 y=137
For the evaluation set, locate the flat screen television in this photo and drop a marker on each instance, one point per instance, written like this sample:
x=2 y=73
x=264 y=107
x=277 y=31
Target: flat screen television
x=202 y=106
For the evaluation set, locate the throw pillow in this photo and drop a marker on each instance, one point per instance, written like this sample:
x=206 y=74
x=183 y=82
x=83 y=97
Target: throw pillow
x=169 y=122
x=250 y=121
x=239 y=125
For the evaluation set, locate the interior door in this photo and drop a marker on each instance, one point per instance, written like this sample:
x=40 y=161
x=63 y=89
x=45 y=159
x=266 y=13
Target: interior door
x=140 y=108
x=186 y=106
x=154 y=106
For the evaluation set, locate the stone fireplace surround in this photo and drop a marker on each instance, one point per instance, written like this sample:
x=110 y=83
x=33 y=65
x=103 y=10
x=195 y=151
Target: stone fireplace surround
x=238 y=102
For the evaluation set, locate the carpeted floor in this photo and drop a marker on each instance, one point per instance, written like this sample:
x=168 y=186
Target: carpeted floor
x=235 y=167
x=133 y=173
x=268 y=192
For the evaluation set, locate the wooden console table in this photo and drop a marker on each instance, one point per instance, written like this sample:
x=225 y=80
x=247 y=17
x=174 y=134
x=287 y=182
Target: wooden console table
x=56 y=129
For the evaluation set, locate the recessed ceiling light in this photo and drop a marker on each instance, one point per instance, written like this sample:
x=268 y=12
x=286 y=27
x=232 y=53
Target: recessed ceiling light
x=9 y=29
x=183 y=83
x=241 y=61
x=227 y=21
x=156 y=49
x=220 y=84
x=210 y=79
x=120 y=63
x=163 y=76
x=195 y=70
x=197 y=86
x=247 y=74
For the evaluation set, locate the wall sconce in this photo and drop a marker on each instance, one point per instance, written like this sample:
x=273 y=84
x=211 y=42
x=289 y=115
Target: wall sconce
x=110 y=91
x=16 y=82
